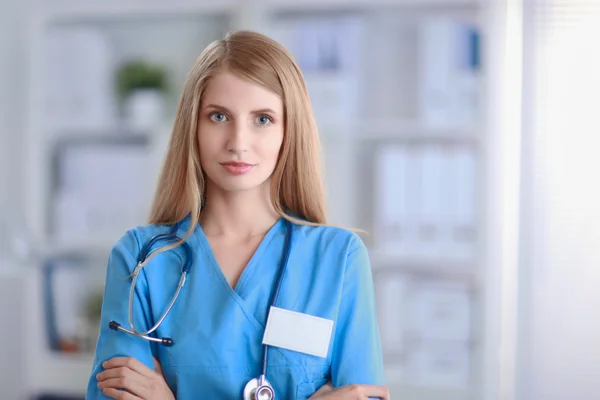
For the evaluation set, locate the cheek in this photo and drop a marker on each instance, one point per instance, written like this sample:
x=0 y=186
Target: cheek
x=270 y=148
x=208 y=144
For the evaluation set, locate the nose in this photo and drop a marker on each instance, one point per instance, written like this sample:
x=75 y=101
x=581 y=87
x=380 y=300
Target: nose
x=238 y=139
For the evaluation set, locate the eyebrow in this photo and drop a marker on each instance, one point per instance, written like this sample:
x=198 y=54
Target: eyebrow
x=262 y=110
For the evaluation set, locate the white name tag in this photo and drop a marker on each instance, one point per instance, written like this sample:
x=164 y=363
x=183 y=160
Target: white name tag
x=298 y=332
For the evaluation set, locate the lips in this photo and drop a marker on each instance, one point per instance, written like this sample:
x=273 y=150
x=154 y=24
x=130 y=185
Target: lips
x=237 y=164
x=237 y=167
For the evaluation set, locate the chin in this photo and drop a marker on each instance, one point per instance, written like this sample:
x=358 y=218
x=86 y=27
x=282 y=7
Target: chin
x=239 y=185
x=229 y=183
x=238 y=188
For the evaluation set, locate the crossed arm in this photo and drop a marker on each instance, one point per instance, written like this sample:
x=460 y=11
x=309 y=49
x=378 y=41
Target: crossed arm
x=356 y=369
x=125 y=378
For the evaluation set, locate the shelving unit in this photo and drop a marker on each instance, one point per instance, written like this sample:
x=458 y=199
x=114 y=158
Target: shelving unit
x=397 y=130
x=429 y=269
x=384 y=109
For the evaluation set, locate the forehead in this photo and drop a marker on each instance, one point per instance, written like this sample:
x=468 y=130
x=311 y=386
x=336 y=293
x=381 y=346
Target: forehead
x=238 y=94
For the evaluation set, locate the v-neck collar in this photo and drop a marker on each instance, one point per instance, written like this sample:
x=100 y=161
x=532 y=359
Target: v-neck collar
x=248 y=270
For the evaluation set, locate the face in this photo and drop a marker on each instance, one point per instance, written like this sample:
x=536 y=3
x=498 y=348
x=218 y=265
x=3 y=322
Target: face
x=240 y=132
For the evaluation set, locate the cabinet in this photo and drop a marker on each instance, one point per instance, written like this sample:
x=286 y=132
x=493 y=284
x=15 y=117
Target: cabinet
x=396 y=87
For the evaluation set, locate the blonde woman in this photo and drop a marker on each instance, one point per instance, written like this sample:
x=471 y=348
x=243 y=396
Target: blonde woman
x=245 y=292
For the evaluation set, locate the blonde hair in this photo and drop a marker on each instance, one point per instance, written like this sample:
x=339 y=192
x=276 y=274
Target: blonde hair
x=296 y=183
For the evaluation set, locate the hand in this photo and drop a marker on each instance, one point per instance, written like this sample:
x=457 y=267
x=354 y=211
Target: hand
x=351 y=392
x=137 y=381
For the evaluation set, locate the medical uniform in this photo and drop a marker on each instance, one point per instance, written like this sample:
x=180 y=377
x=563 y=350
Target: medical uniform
x=218 y=330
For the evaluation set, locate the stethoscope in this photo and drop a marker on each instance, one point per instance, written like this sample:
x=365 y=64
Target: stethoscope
x=257 y=388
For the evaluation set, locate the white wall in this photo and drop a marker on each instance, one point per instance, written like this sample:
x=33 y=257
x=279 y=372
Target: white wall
x=12 y=79
x=12 y=103
x=560 y=341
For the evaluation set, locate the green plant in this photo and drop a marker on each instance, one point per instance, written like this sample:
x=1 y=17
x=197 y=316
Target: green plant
x=140 y=74
x=93 y=306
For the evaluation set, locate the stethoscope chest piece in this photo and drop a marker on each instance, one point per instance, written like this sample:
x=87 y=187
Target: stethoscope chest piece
x=259 y=389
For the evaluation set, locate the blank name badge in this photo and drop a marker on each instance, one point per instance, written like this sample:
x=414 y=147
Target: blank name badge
x=299 y=332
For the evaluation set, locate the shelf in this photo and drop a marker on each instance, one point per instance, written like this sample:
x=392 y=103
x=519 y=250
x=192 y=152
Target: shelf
x=368 y=4
x=66 y=374
x=113 y=133
x=438 y=269
x=396 y=380
x=385 y=118
x=422 y=393
x=95 y=11
x=398 y=130
x=99 y=247
x=48 y=371
x=89 y=246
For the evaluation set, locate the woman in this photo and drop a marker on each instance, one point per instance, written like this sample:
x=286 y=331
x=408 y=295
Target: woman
x=241 y=178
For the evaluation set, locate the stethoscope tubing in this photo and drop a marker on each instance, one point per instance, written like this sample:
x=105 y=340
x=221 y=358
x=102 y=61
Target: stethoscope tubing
x=261 y=383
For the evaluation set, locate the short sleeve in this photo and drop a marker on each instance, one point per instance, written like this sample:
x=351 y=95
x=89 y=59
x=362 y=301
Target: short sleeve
x=357 y=355
x=121 y=263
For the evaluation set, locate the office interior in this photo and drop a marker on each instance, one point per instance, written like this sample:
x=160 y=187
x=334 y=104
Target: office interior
x=469 y=134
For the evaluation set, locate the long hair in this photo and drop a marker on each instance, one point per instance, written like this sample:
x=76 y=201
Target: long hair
x=296 y=183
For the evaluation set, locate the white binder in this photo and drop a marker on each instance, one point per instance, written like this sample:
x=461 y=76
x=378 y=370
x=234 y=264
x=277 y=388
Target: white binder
x=440 y=364
x=441 y=311
x=448 y=82
x=464 y=235
x=103 y=190
x=392 y=206
x=391 y=294
x=412 y=192
x=429 y=243
x=78 y=91
x=449 y=208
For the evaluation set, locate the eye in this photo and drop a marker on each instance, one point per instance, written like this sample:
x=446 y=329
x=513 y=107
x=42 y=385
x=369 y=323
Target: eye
x=217 y=116
x=264 y=120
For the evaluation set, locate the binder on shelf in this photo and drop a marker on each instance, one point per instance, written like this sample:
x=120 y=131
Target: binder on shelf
x=439 y=364
x=100 y=189
x=449 y=208
x=463 y=203
x=324 y=44
x=390 y=293
x=78 y=80
x=333 y=96
x=449 y=72
x=441 y=311
x=468 y=75
x=327 y=51
x=414 y=177
x=393 y=211
x=431 y=200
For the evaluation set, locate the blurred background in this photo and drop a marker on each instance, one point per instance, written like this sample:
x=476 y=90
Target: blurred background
x=468 y=131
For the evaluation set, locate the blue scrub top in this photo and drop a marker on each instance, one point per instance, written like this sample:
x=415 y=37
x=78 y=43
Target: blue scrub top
x=218 y=330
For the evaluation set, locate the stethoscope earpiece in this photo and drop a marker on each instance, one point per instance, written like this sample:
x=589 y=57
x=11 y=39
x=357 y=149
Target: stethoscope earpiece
x=115 y=326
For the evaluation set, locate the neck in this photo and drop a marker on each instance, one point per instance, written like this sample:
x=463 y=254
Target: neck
x=238 y=214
